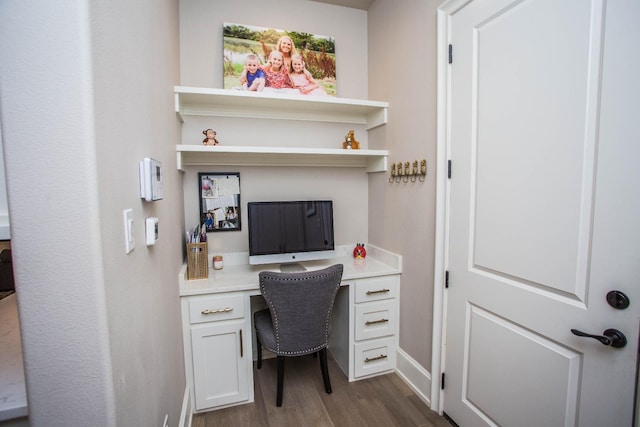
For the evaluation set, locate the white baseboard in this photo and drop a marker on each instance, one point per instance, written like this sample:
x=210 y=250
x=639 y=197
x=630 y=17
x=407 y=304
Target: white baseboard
x=416 y=377
x=186 y=416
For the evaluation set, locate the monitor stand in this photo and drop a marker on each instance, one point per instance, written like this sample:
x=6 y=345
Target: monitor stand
x=292 y=267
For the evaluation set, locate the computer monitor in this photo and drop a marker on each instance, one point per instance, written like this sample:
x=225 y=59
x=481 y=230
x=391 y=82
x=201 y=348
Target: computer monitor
x=290 y=231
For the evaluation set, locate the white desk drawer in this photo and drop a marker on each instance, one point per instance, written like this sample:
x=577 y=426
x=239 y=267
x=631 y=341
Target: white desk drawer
x=375 y=356
x=377 y=288
x=376 y=319
x=218 y=307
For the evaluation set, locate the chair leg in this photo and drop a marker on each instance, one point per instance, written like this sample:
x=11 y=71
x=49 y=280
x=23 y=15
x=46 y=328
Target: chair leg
x=280 y=380
x=259 y=364
x=325 y=370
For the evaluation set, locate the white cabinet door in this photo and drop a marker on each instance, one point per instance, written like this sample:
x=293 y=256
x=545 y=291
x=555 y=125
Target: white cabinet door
x=220 y=359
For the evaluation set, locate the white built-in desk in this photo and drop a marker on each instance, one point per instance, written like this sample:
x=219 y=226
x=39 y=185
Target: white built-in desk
x=218 y=334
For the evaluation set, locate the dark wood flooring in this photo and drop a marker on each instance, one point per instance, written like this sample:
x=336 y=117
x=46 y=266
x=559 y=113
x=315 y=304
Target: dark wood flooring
x=382 y=401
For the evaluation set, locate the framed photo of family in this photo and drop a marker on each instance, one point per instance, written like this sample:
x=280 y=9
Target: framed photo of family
x=259 y=59
x=219 y=200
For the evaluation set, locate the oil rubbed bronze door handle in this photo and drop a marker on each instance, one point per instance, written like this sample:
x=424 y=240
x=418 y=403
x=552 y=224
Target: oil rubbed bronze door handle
x=241 y=347
x=610 y=337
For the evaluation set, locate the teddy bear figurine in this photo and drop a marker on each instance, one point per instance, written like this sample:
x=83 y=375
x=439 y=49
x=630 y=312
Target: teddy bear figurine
x=210 y=137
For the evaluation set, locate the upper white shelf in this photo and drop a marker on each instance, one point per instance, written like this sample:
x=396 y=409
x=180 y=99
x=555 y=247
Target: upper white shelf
x=235 y=103
x=201 y=155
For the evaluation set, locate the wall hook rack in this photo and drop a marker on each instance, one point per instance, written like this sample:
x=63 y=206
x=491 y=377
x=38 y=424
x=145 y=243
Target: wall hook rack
x=405 y=172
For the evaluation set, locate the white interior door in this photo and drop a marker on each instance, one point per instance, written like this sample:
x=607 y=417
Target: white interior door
x=544 y=212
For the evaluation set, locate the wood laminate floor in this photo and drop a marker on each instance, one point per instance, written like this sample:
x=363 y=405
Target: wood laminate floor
x=382 y=401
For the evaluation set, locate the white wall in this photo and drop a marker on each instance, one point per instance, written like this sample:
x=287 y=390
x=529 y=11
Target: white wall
x=201 y=46
x=402 y=70
x=85 y=92
x=135 y=66
x=201 y=36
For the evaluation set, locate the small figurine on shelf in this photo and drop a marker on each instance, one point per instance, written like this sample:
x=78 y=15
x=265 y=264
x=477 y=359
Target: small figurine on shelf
x=210 y=137
x=359 y=251
x=350 y=142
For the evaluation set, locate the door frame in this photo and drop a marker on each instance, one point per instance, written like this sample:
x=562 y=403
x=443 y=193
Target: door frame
x=443 y=150
x=442 y=230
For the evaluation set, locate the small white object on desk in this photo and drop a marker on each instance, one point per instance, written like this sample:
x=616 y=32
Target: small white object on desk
x=218 y=262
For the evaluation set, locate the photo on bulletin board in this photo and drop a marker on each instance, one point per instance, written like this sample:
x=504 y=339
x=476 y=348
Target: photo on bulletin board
x=260 y=59
x=219 y=194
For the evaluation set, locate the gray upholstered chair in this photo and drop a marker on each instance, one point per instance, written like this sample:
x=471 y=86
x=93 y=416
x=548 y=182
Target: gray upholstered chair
x=298 y=318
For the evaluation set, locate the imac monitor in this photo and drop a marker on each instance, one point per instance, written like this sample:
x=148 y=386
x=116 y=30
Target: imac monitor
x=290 y=231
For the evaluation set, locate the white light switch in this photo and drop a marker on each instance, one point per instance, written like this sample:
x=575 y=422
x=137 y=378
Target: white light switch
x=129 y=241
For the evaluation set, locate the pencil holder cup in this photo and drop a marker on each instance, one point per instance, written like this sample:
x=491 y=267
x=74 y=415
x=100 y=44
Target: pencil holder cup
x=197 y=261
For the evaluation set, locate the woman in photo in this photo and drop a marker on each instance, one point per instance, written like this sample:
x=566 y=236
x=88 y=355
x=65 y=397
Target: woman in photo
x=286 y=47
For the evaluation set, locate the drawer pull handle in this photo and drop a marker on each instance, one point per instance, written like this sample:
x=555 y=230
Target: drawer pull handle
x=373 y=359
x=241 y=348
x=217 y=310
x=373 y=322
x=380 y=291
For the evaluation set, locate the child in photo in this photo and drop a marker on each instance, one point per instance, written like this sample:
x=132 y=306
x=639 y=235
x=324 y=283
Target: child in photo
x=254 y=79
x=276 y=74
x=302 y=79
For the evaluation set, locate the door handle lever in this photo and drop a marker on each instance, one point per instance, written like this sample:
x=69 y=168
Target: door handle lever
x=611 y=337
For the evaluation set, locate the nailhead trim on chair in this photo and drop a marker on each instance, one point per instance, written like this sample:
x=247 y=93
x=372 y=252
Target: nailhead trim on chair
x=275 y=321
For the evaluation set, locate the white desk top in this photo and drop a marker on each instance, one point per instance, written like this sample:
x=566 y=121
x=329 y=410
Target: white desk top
x=238 y=275
x=13 y=394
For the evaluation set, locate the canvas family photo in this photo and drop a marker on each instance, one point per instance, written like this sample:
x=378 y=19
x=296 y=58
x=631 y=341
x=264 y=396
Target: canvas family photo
x=271 y=60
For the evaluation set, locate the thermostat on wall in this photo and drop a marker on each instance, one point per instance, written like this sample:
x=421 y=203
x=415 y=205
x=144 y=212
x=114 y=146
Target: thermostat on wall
x=150 y=179
x=151 y=231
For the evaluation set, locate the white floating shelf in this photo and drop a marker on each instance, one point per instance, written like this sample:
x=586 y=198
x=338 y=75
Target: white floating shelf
x=235 y=103
x=201 y=155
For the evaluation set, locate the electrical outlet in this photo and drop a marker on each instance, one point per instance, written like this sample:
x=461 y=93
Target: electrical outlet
x=166 y=421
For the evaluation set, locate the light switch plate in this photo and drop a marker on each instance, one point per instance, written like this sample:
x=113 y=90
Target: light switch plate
x=129 y=241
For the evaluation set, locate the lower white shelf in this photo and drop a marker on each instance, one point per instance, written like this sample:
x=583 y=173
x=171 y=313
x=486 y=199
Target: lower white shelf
x=201 y=155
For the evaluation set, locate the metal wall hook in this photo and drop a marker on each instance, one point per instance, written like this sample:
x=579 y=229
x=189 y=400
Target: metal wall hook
x=414 y=171
x=405 y=172
x=400 y=173
x=423 y=170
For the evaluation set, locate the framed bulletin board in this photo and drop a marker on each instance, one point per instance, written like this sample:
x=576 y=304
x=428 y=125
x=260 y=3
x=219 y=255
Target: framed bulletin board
x=219 y=200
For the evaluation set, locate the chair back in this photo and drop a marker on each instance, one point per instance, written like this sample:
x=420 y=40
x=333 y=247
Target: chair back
x=300 y=304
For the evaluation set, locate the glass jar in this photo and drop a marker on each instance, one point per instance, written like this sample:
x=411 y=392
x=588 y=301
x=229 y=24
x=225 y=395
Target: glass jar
x=217 y=262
